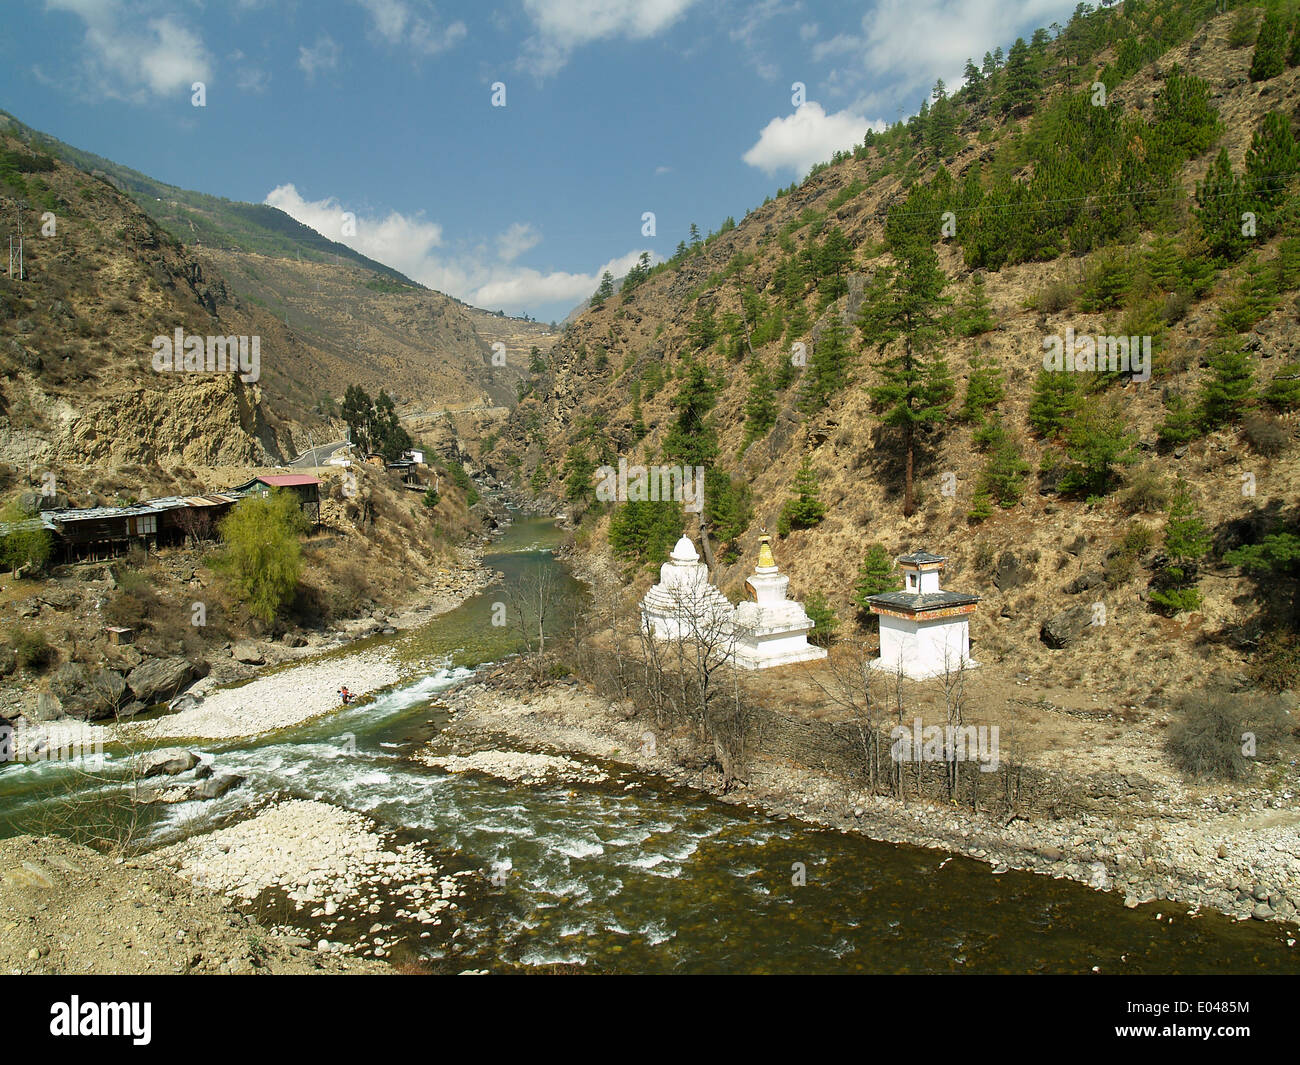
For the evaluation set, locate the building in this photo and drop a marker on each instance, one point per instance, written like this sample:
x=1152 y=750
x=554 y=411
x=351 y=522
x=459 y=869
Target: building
x=304 y=486
x=684 y=605
x=771 y=630
x=924 y=631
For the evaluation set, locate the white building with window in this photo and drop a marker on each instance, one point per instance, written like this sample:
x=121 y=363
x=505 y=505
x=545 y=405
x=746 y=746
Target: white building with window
x=924 y=631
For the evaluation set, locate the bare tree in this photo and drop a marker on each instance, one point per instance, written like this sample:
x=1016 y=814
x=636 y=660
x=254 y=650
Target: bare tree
x=849 y=686
x=534 y=601
x=952 y=684
x=195 y=524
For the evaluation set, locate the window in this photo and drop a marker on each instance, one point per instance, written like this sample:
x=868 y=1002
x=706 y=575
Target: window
x=146 y=524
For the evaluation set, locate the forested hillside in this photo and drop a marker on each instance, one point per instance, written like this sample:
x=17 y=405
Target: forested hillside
x=913 y=347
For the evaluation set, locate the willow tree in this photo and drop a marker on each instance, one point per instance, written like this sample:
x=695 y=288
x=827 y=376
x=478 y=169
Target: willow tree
x=905 y=304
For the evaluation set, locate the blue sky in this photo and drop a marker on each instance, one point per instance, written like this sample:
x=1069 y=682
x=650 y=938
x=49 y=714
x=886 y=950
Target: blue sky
x=382 y=110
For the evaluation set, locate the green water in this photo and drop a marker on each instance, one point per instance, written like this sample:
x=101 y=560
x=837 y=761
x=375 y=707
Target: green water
x=636 y=874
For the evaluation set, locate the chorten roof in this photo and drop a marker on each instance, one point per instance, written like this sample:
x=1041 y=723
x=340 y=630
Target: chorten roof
x=919 y=558
x=917 y=602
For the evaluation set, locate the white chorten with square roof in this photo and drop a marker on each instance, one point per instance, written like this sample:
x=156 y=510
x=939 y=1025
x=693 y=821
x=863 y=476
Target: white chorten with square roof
x=924 y=630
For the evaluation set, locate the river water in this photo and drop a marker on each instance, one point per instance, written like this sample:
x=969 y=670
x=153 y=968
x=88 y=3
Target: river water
x=636 y=874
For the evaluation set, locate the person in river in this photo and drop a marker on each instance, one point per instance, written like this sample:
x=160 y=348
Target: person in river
x=345 y=695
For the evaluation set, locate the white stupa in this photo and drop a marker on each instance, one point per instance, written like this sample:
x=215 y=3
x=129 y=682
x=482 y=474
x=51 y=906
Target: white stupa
x=771 y=630
x=924 y=630
x=684 y=604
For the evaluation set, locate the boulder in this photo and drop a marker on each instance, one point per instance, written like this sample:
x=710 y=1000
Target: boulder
x=168 y=761
x=1064 y=628
x=87 y=694
x=1085 y=581
x=48 y=707
x=293 y=639
x=157 y=679
x=1011 y=572
x=247 y=651
x=8 y=660
x=216 y=786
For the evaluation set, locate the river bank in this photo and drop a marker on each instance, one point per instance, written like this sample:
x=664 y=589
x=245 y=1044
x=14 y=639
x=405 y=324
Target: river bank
x=1238 y=859
x=290 y=686
x=68 y=909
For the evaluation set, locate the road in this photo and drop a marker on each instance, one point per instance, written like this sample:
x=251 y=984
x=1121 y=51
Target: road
x=316 y=456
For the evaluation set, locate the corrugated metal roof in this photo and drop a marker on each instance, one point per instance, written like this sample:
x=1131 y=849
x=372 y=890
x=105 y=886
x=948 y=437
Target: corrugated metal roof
x=286 y=480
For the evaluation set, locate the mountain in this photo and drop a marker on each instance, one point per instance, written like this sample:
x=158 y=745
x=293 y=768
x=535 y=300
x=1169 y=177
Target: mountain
x=1093 y=185
x=327 y=317
x=197 y=218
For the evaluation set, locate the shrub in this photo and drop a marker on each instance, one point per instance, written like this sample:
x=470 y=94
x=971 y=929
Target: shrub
x=1146 y=492
x=32 y=649
x=1211 y=729
x=1276 y=666
x=262 y=555
x=1266 y=435
x=1055 y=298
x=823 y=618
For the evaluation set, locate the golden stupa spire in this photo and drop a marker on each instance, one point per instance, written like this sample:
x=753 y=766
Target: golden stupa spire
x=765 y=559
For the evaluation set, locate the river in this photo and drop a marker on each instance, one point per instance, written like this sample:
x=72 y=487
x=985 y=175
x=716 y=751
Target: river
x=637 y=874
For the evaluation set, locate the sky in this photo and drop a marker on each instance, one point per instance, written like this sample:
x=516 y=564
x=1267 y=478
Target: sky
x=505 y=154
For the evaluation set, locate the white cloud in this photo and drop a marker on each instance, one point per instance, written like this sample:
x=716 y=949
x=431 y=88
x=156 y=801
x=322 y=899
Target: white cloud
x=661 y=170
x=323 y=55
x=131 y=56
x=749 y=31
x=524 y=287
x=485 y=277
x=940 y=35
x=516 y=240
x=398 y=23
x=562 y=26
x=807 y=136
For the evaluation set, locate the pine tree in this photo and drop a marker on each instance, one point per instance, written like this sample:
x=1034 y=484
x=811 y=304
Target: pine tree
x=1270 y=48
x=1182 y=421
x=1227 y=389
x=1293 y=53
x=905 y=303
x=604 y=290
x=1097 y=440
x=1283 y=391
x=691 y=440
x=1186 y=542
x=578 y=469
x=974 y=314
x=645 y=530
x=703 y=328
x=1021 y=86
x=1271 y=161
x=639 y=429
x=727 y=510
x=760 y=403
x=833 y=258
x=983 y=390
x=786 y=371
x=974 y=81
x=941 y=133
x=827 y=367
x=875 y=577
x=1055 y=398
x=806 y=508
x=1221 y=203
x=1003 y=478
